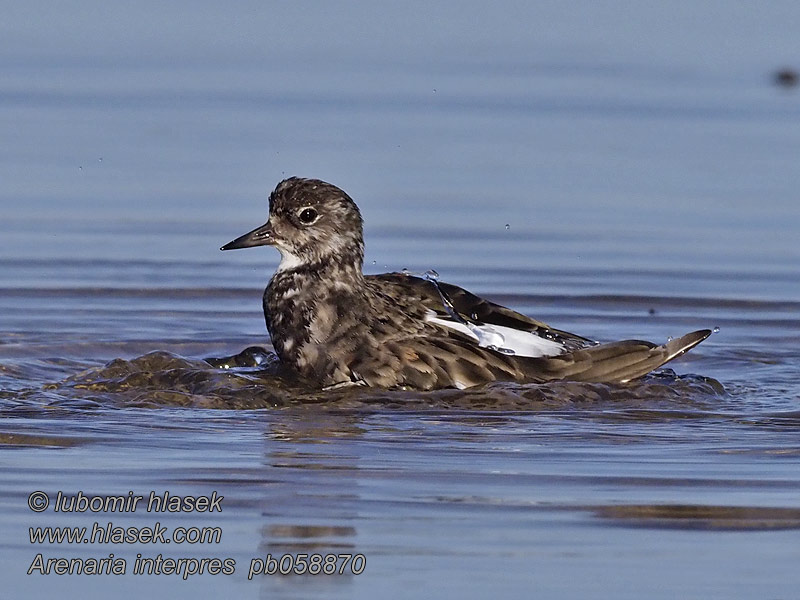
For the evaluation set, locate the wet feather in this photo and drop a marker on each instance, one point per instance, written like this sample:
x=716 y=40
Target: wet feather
x=332 y=325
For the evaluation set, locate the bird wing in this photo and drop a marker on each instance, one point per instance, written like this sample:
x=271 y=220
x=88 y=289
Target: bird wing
x=488 y=324
x=425 y=362
x=616 y=362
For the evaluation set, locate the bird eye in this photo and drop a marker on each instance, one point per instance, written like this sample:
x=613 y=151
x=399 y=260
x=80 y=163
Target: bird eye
x=307 y=215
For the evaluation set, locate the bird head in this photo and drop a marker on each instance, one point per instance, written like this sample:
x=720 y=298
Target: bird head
x=310 y=222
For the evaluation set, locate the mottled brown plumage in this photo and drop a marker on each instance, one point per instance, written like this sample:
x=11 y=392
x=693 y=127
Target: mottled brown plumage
x=332 y=325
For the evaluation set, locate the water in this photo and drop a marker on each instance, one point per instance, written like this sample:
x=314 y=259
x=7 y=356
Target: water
x=616 y=177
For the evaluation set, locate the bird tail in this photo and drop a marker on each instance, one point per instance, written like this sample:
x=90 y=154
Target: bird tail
x=618 y=362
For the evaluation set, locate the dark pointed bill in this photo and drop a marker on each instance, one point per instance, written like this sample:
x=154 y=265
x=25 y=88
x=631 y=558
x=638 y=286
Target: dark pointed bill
x=260 y=236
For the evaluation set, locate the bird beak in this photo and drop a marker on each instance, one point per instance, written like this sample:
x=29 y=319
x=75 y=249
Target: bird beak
x=260 y=236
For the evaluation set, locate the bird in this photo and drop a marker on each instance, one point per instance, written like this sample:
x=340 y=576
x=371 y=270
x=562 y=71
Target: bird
x=333 y=326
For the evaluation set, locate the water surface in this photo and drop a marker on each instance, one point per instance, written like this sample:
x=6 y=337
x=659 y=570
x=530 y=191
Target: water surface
x=615 y=177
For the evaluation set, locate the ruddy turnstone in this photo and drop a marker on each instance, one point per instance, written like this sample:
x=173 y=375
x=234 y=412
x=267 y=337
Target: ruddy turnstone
x=332 y=325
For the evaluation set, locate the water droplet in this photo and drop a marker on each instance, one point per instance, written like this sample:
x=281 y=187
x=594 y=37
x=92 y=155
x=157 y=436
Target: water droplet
x=507 y=351
x=508 y=226
x=431 y=275
x=80 y=168
x=474 y=316
x=374 y=262
x=405 y=271
x=100 y=159
x=434 y=90
x=669 y=339
x=716 y=329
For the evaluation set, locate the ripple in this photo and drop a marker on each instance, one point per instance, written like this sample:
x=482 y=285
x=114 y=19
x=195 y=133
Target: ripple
x=253 y=379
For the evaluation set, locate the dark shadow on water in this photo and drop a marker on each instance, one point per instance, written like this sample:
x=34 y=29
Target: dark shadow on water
x=700 y=517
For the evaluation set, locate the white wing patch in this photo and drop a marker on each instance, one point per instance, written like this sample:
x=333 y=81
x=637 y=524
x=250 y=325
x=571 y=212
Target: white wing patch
x=502 y=339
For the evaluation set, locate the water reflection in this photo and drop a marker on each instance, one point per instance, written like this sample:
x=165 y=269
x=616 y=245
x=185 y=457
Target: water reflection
x=704 y=517
x=312 y=508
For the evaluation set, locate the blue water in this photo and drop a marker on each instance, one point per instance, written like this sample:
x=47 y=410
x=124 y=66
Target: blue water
x=618 y=170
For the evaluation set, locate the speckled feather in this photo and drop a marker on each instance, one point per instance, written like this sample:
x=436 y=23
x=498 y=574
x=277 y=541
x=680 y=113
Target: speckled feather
x=332 y=325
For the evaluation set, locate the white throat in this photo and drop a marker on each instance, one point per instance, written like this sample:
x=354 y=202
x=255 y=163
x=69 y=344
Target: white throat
x=288 y=261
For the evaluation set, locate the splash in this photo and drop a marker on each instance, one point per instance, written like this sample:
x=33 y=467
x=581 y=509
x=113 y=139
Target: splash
x=487 y=336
